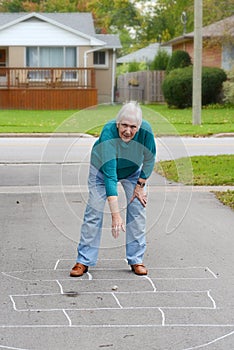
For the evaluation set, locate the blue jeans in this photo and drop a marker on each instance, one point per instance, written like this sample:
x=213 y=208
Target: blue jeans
x=91 y=228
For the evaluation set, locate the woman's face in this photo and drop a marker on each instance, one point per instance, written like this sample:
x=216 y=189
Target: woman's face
x=127 y=129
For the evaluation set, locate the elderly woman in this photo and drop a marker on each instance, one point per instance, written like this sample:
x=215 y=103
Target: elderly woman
x=125 y=153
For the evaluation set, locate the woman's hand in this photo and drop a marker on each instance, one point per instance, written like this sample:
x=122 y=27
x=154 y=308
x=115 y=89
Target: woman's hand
x=117 y=225
x=140 y=194
x=117 y=222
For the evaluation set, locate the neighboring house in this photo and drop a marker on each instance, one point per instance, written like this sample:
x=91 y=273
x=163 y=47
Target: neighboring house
x=218 y=44
x=146 y=54
x=55 y=57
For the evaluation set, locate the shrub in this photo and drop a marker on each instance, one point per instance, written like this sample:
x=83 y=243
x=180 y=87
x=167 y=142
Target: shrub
x=130 y=67
x=212 y=81
x=160 y=61
x=133 y=66
x=179 y=59
x=228 y=88
x=178 y=86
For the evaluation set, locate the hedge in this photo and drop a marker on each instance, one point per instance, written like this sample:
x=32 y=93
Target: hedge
x=178 y=86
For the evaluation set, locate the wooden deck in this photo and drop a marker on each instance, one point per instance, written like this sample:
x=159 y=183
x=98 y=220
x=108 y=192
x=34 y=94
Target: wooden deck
x=47 y=88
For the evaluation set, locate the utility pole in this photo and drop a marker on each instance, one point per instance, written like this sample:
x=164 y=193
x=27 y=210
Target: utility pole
x=197 y=66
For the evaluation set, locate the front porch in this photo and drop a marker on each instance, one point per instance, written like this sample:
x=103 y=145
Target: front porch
x=47 y=88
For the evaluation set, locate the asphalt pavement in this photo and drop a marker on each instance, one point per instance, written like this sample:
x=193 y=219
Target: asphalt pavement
x=186 y=301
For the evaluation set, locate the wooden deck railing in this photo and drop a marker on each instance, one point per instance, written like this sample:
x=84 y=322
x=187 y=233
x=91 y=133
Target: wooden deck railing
x=58 y=78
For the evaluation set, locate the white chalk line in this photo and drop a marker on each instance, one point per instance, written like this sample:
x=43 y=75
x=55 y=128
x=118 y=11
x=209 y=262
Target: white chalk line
x=104 y=279
x=210 y=342
x=204 y=268
x=211 y=272
x=117 y=269
x=151 y=282
x=124 y=292
x=124 y=308
x=68 y=318
x=163 y=316
x=72 y=260
x=126 y=326
x=56 y=264
x=207 y=292
x=115 y=296
x=60 y=287
x=117 y=300
x=212 y=299
x=12 y=348
x=90 y=277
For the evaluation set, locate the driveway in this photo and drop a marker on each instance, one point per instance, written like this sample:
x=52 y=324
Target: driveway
x=186 y=302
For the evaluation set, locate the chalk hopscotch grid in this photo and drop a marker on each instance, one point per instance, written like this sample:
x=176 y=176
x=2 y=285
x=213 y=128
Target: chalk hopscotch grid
x=115 y=294
x=119 y=306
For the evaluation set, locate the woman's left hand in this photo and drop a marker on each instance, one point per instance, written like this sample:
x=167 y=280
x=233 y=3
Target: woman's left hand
x=140 y=194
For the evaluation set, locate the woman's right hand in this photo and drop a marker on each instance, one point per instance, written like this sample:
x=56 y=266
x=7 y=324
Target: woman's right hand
x=117 y=225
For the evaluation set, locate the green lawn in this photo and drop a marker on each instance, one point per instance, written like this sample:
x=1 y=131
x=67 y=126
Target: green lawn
x=199 y=170
x=227 y=198
x=215 y=120
x=202 y=170
x=164 y=121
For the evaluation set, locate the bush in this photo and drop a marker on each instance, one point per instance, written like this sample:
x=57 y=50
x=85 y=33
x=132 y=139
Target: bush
x=179 y=59
x=133 y=66
x=160 y=61
x=212 y=82
x=130 y=67
x=178 y=86
x=228 y=88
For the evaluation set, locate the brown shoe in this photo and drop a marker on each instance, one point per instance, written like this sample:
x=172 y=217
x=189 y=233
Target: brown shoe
x=78 y=270
x=139 y=269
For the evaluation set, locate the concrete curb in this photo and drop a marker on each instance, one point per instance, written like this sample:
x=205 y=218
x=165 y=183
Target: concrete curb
x=228 y=134
x=45 y=135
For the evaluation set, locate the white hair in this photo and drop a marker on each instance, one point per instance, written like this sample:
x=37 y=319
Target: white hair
x=130 y=111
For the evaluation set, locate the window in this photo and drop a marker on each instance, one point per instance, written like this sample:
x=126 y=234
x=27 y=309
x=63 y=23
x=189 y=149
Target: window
x=100 y=58
x=51 y=57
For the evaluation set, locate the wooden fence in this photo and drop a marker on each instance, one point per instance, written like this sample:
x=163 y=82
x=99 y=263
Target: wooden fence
x=142 y=86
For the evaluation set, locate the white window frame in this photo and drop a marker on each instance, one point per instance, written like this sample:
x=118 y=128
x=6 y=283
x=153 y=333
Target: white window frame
x=64 y=56
x=39 y=76
x=106 y=65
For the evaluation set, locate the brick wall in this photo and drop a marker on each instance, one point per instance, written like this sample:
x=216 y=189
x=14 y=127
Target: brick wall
x=211 y=55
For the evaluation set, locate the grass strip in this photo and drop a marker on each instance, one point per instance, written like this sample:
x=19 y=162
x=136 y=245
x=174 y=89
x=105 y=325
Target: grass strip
x=227 y=198
x=199 y=170
x=164 y=121
x=202 y=171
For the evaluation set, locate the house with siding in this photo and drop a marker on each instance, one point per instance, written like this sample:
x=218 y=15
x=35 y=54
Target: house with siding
x=218 y=44
x=146 y=54
x=55 y=61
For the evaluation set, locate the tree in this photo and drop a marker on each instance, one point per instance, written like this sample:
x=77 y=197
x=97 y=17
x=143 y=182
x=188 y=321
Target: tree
x=215 y=10
x=179 y=59
x=117 y=17
x=39 y=5
x=164 y=18
x=160 y=61
x=137 y=23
